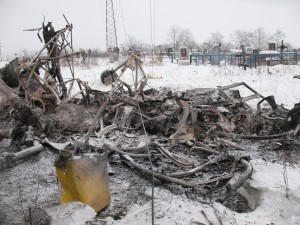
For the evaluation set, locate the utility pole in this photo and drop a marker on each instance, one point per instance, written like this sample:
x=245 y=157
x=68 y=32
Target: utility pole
x=1 y=52
x=111 y=35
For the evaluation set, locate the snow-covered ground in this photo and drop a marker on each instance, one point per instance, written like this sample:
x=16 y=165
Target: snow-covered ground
x=266 y=188
x=276 y=80
x=267 y=191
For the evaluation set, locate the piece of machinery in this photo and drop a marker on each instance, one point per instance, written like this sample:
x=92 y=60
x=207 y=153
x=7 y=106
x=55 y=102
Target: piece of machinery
x=133 y=62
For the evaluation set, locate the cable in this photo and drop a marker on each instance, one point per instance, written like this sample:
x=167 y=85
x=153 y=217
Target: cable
x=123 y=20
x=151 y=28
x=152 y=46
x=154 y=23
x=151 y=165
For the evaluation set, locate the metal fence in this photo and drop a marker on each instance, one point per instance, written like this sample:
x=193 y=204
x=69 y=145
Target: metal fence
x=250 y=60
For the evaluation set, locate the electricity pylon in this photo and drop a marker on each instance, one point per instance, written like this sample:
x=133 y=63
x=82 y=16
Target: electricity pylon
x=111 y=36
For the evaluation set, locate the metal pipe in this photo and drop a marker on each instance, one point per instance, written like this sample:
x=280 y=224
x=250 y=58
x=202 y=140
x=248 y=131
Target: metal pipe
x=36 y=148
x=49 y=96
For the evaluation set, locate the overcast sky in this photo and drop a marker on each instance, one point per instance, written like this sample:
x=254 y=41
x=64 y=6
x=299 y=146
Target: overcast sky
x=201 y=17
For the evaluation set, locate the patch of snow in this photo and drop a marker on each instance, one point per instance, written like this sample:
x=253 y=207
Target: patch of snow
x=269 y=202
x=236 y=51
x=269 y=52
x=272 y=204
x=73 y=213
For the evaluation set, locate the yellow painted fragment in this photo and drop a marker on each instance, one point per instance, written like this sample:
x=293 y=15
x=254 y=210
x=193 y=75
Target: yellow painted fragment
x=85 y=179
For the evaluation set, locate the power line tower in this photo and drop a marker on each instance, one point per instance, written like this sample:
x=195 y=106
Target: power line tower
x=111 y=36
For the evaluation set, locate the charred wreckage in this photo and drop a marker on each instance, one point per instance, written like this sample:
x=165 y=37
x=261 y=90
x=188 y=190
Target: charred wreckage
x=177 y=138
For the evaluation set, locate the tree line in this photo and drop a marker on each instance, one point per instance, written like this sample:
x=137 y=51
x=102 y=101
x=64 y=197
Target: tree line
x=177 y=36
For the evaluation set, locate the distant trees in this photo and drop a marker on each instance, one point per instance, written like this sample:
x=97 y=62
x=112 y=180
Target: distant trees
x=133 y=44
x=259 y=38
x=94 y=52
x=240 y=37
x=173 y=35
x=178 y=36
x=288 y=46
x=215 y=38
x=278 y=36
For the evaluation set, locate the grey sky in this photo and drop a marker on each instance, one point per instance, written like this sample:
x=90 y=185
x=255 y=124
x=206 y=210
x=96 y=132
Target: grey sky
x=201 y=17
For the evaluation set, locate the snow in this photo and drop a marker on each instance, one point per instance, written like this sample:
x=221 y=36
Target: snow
x=269 y=52
x=236 y=51
x=266 y=188
x=275 y=80
x=272 y=205
x=75 y=213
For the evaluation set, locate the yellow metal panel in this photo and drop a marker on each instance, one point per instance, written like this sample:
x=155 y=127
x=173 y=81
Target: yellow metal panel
x=86 y=180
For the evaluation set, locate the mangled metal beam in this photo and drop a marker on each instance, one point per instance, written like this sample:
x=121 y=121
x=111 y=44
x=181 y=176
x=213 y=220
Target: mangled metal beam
x=10 y=160
x=239 y=182
x=133 y=62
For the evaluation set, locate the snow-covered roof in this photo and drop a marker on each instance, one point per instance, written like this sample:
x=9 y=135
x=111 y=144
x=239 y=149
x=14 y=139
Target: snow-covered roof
x=269 y=52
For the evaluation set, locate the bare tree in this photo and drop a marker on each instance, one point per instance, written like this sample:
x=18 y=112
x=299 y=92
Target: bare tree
x=187 y=38
x=133 y=44
x=215 y=38
x=278 y=36
x=289 y=46
x=259 y=38
x=173 y=35
x=178 y=36
x=240 y=37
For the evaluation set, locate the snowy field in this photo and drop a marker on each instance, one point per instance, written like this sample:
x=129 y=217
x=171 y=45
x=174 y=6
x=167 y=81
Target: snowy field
x=276 y=80
x=268 y=195
x=266 y=190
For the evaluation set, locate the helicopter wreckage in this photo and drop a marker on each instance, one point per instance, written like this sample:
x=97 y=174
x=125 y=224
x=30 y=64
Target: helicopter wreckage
x=185 y=139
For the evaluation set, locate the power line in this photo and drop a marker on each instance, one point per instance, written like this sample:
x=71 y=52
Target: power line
x=154 y=23
x=151 y=33
x=1 y=51
x=151 y=164
x=123 y=20
x=151 y=23
x=152 y=193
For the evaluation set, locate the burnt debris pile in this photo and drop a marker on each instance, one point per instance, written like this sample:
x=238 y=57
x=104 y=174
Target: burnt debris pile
x=197 y=139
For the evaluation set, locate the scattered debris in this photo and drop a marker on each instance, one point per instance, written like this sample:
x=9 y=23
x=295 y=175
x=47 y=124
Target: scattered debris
x=188 y=137
x=84 y=178
x=9 y=160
